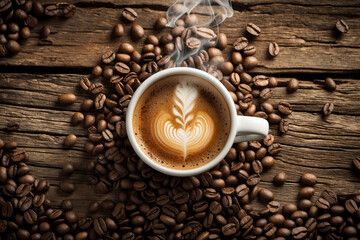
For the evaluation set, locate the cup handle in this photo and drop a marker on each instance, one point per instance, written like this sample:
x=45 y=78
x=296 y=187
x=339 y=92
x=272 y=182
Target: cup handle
x=251 y=128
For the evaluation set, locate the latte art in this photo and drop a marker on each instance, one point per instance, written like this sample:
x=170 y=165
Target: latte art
x=184 y=131
x=181 y=122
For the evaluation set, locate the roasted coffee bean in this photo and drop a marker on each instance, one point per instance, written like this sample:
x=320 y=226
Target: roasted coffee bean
x=160 y=23
x=330 y=84
x=240 y=43
x=229 y=229
x=292 y=85
x=252 y=29
x=273 y=82
x=249 y=50
x=53 y=10
x=242 y=190
x=13 y=47
x=274 y=49
x=30 y=216
x=129 y=14
x=351 y=206
x=308 y=179
x=283 y=126
x=280 y=178
x=118 y=30
x=330 y=196
x=260 y=81
x=253 y=180
x=268 y=161
x=274 y=118
x=137 y=31
x=250 y=62
x=100 y=226
x=67 y=187
x=94 y=207
x=222 y=41
x=266 y=195
x=67 y=169
x=277 y=219
x=322 y=203
x=206 y=33
x=342 y=26
x=77 y=118
x=306 y=192
x=99 y=101
x=70 y=140
x=284 y=108
x=257 y=166
x=108 y=57
x=69 y=10
x=273 y=206
x=328 y=109
x=299 y=232
x=67 y=99
x=356 y=163
x=227 y=68
x=193 y=42
x=45 y=31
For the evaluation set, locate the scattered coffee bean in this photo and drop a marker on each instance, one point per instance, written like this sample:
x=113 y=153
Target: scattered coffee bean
x=285 y=108
x=330 y=84
x=118 y=30
x=280 y=178
x=328 y=109
x=341 y=26
x=129 y=14
x=137 y=31
x=274 y=49
x=293 y=85
x=266 y=195
x=250 y=62
x=45 y=31
x=252 y=29
x=67 y=99
x=306 y=192
x=67 y=169
x=77 y=118
x=160 y=23
x=283 y=126
x=70 y=140
x=308 y=179
x=67 y=187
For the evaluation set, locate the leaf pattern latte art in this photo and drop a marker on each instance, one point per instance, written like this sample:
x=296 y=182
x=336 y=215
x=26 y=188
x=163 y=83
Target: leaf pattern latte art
x=183 y=131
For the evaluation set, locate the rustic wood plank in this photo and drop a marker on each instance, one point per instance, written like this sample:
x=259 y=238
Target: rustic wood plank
x=42 y=90
x=305 y=35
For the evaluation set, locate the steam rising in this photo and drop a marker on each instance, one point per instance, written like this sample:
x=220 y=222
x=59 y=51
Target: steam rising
x=211 y=14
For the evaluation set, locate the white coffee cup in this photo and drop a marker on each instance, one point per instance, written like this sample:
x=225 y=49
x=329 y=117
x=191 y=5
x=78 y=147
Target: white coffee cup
x=243 y=128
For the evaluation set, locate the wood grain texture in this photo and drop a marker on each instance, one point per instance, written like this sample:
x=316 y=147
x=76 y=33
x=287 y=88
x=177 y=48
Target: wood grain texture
x=306 y=36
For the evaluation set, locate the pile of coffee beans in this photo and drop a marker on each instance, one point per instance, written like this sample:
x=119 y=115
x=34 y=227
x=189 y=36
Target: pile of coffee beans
x=159 y=207
x=18 y=17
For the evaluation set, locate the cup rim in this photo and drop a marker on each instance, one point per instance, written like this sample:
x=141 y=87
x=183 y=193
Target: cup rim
x=176 y=71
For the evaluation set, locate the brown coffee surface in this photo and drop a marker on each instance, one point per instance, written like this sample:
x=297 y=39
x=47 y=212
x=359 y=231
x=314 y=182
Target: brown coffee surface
x=181 y=122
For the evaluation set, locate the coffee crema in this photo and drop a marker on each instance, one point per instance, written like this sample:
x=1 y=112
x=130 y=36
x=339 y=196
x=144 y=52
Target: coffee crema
x=181 y=121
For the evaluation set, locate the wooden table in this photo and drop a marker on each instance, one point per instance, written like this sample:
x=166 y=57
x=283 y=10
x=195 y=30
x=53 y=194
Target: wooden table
x=311 y=50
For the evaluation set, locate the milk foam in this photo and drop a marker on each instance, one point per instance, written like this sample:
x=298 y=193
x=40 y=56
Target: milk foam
x=183 y=131
x=181 y=122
